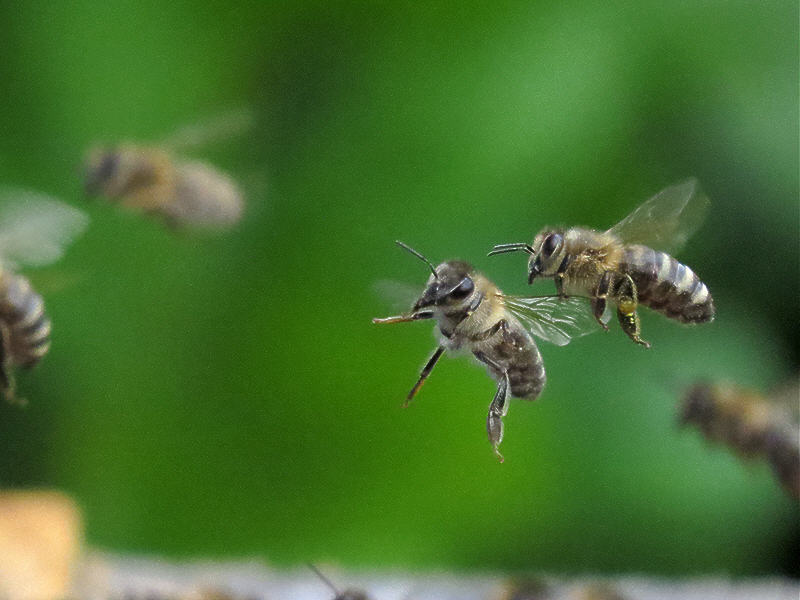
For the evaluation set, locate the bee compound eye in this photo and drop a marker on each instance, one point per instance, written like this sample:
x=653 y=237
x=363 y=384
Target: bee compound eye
x=463 y=289
x=551 y=243
x=108 y=165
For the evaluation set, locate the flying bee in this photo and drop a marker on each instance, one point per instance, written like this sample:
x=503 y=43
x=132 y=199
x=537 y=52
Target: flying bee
x=155 y=180
x=473 y=315
x=752 y=425
x=34 y=230
x=628 y=264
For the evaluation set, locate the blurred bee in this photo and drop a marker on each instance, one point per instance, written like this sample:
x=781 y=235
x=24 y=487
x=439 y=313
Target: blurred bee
x=34 y=230
x=473 y=315
x=597 y=591
x=529 y=589
x=628 y=264
x=537 y=589
x=750 y=424
x=155 y=180
x=348 y=594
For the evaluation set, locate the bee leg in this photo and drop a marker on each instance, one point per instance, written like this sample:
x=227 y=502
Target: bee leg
x=626 y=310
x=426 y=370
x=600 y=297
x=560 y=274
x=499 y=406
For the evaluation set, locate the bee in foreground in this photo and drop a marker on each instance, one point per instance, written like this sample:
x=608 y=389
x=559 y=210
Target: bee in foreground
x=751 y=424
x=628 y=264
x=473 y=315
x=156 y=181
x=34 y=230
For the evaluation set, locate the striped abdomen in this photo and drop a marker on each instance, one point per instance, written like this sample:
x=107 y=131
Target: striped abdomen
x=24 y=325
x=517 y=352
x=667 y=286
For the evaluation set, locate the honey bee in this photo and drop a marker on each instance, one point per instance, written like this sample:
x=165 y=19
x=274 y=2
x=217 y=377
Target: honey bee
x=628 y=264
x=348 y=594
x=34 y=230
x=473 y=315
x=751 y=424
x=156 y=181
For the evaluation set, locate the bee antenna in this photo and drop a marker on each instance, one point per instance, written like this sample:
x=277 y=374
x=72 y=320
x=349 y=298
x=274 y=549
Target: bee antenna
x=324 y=579
x=418 y=255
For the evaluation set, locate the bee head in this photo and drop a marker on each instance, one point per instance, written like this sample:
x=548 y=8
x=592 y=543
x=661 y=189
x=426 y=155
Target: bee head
x=101 y=168
x=698 y=405
x=450 y=284
x=548 y=252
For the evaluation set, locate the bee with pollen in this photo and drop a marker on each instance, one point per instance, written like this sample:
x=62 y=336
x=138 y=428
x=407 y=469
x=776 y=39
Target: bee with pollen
x=628 y=264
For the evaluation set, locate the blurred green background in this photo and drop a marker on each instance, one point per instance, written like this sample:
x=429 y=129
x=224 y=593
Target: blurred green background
x=229 y=396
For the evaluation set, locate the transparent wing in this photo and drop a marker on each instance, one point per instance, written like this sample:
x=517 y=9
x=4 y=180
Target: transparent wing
x=785 y=397
x=667 y=220
x=35 y=228
x=228 y=125
x=554 y=319
x=398 y=295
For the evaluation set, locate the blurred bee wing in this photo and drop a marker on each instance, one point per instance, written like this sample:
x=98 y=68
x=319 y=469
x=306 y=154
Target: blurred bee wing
x=398 y=295
x=785 y=396
x=225 y=126
x=556 y=320
x=667 y=220
x=35 y=228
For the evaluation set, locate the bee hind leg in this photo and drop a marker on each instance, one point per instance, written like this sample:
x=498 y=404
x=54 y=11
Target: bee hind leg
x=498 y=407
x=627 y=303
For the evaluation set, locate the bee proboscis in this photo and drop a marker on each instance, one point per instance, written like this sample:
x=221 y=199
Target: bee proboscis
x=628 y=264
x=34 y=230
x=473 y=315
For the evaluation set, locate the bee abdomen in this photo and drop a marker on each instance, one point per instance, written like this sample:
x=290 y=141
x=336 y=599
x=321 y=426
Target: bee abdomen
x=24 y=321
x=668 y=286
x=204 y=197
x=518 y=353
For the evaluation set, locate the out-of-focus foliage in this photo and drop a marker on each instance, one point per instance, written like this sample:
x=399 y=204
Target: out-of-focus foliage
x=228 y=395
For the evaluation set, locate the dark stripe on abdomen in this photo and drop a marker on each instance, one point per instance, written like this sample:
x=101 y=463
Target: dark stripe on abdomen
x=25 y=322
x=667 y=286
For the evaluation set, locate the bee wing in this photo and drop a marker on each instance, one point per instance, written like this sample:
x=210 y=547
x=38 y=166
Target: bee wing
x=667 y=220
x=398 y=295
x=225 y=126
x=35 y=228
x=556 y=320
x=786 y=398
